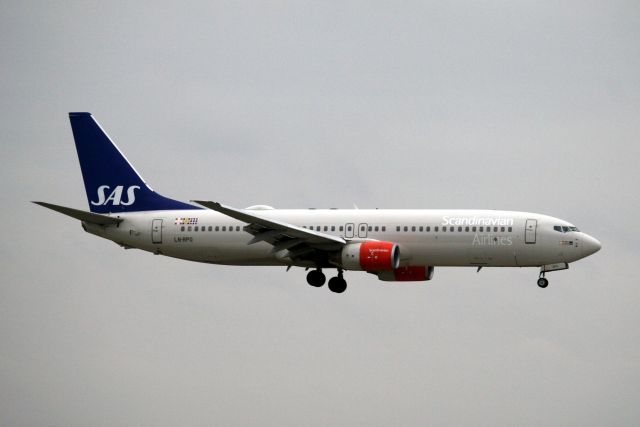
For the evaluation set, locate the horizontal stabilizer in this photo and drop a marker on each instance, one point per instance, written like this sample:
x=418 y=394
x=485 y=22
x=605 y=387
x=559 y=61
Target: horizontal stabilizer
x=92 y=218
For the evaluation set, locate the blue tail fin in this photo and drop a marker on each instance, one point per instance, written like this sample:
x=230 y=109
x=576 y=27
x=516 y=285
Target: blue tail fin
x=111 y=183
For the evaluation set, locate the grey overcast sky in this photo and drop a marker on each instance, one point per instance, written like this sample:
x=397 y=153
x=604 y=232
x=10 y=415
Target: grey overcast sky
x=530 y=106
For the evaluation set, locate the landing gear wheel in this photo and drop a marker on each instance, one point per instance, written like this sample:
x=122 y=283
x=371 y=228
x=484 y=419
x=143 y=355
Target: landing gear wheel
x=543 y=283
x=316 y=278
x=337 y=284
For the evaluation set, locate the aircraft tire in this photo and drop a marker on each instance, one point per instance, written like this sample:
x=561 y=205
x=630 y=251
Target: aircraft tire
x=543 y=283
x=337 y=285
x=316 y=278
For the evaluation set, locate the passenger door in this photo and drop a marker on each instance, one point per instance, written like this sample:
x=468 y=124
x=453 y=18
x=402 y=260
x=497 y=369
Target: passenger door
x=530 y=229
x=156 y=231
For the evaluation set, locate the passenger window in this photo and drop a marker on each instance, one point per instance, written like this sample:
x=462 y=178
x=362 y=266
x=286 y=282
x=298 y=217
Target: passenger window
x=413 y=228
x=210 y=228
x=224 y=228
x=509 y=229
x=444 y=229
x=495 y=229
x=333 y=228
x=406 y=228
x=341 y=228
x=376 y=228
x=217 y=228
x=473 y=229
x=237 y=228
x=502 y=229
x=398 y=228
x=428 y=228
x=384 y=228
x=459 y=228
x=421 y=228
x=189 y=229
x=466 y=229
x=182 y=228
x=481 y=229
x=435 y=228
x=370 y=228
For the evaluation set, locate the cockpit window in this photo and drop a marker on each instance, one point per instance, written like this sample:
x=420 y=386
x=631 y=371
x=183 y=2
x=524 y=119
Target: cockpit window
x=564 y=228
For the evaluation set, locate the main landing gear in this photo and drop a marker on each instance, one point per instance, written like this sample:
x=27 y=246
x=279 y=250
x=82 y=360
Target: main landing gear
x=542 y=281
x=317 y=278
x=338 y=284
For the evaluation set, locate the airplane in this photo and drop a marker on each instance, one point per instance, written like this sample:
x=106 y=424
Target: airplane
x=396 y=245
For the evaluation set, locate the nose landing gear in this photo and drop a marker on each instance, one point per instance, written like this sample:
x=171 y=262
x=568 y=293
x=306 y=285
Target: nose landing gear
x=542 y=281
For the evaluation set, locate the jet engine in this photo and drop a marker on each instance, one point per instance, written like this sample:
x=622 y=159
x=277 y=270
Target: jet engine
x=371 y=256
x=407 y=274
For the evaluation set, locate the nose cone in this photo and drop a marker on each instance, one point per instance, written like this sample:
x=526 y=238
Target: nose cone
x=590 y=245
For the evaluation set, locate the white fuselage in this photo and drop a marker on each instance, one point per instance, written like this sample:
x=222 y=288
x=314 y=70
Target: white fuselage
x=426 y=237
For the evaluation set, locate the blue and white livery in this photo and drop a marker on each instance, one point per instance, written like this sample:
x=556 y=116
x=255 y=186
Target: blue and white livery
x=395 y=245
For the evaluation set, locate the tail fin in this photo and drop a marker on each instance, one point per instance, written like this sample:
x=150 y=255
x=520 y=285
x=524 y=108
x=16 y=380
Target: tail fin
x=111 y=183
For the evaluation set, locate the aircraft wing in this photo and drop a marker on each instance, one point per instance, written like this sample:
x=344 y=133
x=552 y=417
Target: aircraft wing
x=301 y=243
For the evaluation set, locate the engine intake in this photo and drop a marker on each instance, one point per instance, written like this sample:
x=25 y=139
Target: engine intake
x=371 y=256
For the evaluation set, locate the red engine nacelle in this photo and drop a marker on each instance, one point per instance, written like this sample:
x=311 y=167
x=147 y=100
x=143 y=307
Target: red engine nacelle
x=371 y=256
x=407 y=274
